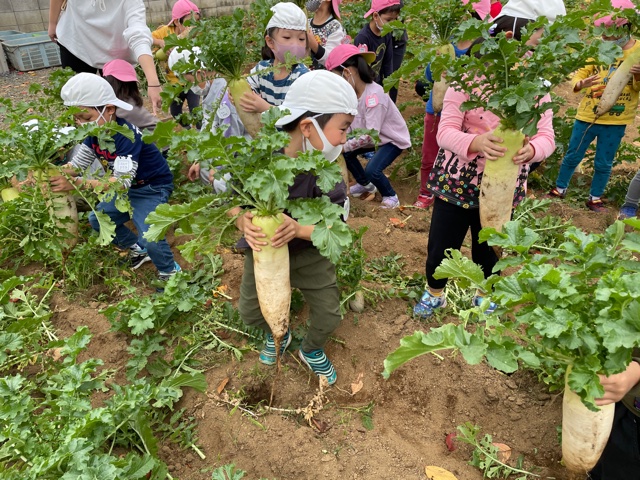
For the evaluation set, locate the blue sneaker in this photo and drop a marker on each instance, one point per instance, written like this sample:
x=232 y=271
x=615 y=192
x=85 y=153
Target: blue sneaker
x=627 y=212
x=138 y=256
x=427 y=304
x=477 y=301
x=164 y=276
x=318 y=362
x=268 y=354
x=368 y=156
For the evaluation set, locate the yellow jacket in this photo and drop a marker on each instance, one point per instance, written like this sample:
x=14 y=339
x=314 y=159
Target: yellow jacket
x=161 y=33
x=624 y=110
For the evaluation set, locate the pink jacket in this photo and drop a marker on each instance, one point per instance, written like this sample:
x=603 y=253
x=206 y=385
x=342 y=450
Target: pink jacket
x=457 y=173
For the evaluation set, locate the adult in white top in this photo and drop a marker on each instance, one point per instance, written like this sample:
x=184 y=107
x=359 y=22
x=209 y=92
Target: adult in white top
x=516 y=14
x=91 y=33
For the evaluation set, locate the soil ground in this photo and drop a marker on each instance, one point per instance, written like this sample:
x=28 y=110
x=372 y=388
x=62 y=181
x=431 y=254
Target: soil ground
x=412 y=412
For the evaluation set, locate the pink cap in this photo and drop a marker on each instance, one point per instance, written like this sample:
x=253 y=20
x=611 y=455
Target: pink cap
x=608 y=21
x=336 y=7
x=345 y=51
x=182 y=8
x=120 y=69
x=377 y=5
x=481 y=7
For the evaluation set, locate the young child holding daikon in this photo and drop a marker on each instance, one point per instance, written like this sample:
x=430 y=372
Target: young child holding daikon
x=325 y=30
x=137 y=167
x=376 y=112
x=608 y=106
x=321 y=107
x=467 y=143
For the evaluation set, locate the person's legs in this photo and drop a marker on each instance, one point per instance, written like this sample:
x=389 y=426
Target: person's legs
x=355 y=167
x=144 y=200
x=124 y=238
x=176 y=106
x=633 y=193
x=68 y=59
x=609 y=138
x=193 y=102
x=429 y=149
x=374 y=170
x=481 y=253
x=581 y=138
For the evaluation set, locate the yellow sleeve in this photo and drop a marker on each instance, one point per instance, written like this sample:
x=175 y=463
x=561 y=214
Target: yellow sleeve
x=162 y=32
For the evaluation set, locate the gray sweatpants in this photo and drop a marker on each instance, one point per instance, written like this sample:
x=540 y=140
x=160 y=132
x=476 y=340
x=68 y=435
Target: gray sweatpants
x=633 y=192
x=315 y=276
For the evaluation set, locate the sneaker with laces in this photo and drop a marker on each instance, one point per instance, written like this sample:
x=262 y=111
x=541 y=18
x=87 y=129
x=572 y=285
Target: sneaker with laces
x=428 y=303
x=424 y=201
x=268 y=353
x=627 y=212
x=358 y=190
x=318 y=362
x=596 y=205
x=556 y=193
x=368 y=155
x=138 y=256
x=390 y=202
x=164 y=276
x=477 y=301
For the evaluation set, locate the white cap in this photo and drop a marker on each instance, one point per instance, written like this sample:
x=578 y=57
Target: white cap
x=176 y=55
x=288 y=15
x=318 y=91
x=90 y=90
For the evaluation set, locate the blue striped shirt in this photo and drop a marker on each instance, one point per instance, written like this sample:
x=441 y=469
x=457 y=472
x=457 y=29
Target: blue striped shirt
x=271 y=90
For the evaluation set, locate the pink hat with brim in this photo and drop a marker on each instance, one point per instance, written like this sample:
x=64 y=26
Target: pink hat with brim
x=481 y=7
x=182 y=8
x=608 y=20
x=377 y=5
x=336 y=7
x=343 y=52
x=121 y=70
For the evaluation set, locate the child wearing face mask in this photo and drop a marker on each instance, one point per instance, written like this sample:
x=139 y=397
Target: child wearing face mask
x=610 y=127
x=286 y=32
x=381 y=12
x=321 y=107
x=376 y=112
x=136 y=166
x=325 y=30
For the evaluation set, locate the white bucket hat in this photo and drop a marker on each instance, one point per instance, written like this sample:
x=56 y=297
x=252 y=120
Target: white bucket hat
x=289 y=16
x=319 y=91
x=90 y=90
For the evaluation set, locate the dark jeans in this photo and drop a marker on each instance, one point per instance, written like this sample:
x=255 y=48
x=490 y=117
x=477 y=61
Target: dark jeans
x=621 y=457
x=193 y=102
x=449 y=226
x=399 y=49
x=374 y=171
x=68 y=59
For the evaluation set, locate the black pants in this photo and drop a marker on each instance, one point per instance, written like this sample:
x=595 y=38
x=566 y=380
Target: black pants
x=449 y=226
x=399 y=49
x=68 y=59
x=621 y=457
x=193 y=102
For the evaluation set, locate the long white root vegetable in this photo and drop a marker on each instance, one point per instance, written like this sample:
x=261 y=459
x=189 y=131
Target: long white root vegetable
x=62 y=207
x=440 y=86
x=616 y=83
x=584 y=433
x=499 y=182
x=251 y=121
x=273 y=282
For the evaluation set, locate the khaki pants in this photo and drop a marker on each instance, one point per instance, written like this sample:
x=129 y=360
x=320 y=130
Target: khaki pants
x=315 y=276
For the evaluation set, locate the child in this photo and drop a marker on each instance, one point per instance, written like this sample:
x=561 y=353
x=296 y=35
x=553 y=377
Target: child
x=432 y=119
x=381 y=12
x=325 y=30
x=333 y=105
x=124 y=81
x=286 y=32
x=610 y=127
x=137 y=166
x=630 y=207
x=467 y=142
x=621 y=457
x=181 y=11
x=376 y=112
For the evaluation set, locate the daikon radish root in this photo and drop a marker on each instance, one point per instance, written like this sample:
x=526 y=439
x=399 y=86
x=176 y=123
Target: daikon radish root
x=9 y=194
x=251 y=121
x=62 y=206
x=616 y=83
x=499 y=182
x=440 y=86
x=584 y=433
x=273 y=283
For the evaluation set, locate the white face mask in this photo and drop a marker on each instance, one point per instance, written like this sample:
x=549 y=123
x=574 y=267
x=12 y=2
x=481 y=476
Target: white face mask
x=101 y=116
x=379 y=27
x=331 y=152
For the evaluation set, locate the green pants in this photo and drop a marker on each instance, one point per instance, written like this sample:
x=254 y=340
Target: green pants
x=315 y=276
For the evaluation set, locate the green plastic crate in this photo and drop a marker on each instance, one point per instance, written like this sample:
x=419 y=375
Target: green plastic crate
x=32 y=53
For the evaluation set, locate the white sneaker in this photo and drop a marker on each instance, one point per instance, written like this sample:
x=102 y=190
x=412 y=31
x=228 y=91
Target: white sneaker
x=390 y=202
x=358 y=190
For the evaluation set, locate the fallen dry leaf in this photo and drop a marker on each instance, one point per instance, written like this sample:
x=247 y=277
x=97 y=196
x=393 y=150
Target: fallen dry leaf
x=221 y=385
x=438 y=473
x=358 y=384
x=504 y=451
x=396 y=222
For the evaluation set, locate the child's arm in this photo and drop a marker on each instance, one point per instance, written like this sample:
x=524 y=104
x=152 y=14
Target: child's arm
x=543 y=142
x=585 y=77
x=617 y=386
x=452 y=133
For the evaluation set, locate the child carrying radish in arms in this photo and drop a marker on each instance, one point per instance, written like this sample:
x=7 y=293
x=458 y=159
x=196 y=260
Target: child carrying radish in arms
x=136 y=166
x=376 y=112
x=607 y=129
x=467 y=142
x=325 y=30
x=286 y=33
x=321 y=107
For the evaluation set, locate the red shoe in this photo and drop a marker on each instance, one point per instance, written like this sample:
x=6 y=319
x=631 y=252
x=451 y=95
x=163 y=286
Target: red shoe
x=596 y=205
x=555 y=193
x=424 y=201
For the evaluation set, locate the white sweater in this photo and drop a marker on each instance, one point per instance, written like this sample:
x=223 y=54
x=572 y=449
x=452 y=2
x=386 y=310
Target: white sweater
x=532 y=9
x=97 y=31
